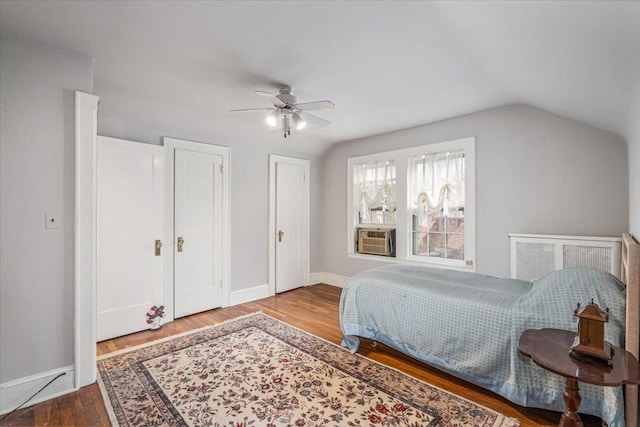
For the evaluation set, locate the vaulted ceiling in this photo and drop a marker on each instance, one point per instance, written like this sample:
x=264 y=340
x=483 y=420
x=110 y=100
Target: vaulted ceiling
x=178 y=67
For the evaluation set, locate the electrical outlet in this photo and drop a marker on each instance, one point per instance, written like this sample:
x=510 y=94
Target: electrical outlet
x=52 y=221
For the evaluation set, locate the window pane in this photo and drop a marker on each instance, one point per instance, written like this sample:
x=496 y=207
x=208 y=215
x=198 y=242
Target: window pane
x=377 y=217
x=456 y=224
x=436 y=223
x=419 y=237
x=455 y=246
x=420 y=244
x=437 y=245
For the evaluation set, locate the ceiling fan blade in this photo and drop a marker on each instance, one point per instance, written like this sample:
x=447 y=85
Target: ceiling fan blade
x=271 y=97
x=314 y=120
x=316 y=105
x=251 y=110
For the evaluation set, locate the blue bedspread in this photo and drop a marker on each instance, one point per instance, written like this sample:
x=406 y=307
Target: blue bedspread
x=469 y=325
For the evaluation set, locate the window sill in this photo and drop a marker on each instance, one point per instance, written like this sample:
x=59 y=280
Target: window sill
x=393 y=260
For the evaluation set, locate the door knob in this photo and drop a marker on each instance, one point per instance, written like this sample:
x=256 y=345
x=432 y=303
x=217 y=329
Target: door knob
x=180 y=243
x=280 y=234
x=158 y=246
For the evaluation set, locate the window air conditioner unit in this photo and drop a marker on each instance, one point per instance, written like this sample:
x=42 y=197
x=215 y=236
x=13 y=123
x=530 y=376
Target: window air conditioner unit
x=376 y=241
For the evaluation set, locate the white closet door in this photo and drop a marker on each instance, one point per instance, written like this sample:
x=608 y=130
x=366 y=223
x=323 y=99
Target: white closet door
x=130 y=212
x=198 y=232
x=292 y=217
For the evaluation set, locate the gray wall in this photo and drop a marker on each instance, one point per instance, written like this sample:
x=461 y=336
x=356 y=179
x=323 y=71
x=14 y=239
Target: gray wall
x=37 y=134
x=535 y=173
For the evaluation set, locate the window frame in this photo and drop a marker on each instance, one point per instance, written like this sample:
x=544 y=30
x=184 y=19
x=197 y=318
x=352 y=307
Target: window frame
x=404 y=227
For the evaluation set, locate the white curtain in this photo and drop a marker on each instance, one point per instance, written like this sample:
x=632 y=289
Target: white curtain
x=375 y=187
x=438 y=184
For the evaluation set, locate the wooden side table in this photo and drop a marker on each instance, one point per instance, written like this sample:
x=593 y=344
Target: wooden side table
x=549 y=348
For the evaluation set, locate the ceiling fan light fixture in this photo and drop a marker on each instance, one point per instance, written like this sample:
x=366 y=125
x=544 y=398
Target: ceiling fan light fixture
x=271 y=120
x=299 y=122
x=286 y=125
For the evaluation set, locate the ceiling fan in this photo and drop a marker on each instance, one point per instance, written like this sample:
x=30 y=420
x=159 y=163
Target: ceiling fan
x=286 y=107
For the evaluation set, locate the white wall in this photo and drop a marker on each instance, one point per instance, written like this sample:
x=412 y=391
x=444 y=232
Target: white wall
x=37 y=84
x=535 y=173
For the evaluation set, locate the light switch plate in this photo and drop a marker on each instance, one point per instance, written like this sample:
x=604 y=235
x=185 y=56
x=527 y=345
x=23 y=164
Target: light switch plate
x=52 y=221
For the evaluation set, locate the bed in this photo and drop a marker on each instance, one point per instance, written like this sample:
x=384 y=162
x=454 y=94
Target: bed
x=469 y=325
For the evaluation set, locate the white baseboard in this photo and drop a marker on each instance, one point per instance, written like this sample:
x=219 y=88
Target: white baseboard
x=315 y=278
x=249 y=294
x=328 y=278
x=334 y=279
x=262 y=291
x=14 y=393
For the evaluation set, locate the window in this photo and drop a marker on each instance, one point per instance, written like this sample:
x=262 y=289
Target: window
x=430 y=212
x=375 y=187
x=437 y=190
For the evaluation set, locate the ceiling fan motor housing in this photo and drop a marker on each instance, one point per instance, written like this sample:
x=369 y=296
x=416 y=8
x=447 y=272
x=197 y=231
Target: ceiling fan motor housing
x=286 y=96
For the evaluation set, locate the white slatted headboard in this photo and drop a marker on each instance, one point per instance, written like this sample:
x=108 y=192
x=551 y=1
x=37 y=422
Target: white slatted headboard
x=533 y=256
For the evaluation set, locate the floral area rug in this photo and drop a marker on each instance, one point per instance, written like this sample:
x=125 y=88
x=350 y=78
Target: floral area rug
x=258 y=371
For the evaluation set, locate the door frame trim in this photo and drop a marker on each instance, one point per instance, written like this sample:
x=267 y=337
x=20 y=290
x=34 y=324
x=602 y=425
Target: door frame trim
x=273 y=159
x=84 y=256
x=170 y=145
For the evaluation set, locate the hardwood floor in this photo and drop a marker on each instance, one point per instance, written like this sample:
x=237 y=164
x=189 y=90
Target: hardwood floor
x=313 y=309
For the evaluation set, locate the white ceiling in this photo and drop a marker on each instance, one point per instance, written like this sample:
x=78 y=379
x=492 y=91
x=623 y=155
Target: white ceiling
x=177 y=67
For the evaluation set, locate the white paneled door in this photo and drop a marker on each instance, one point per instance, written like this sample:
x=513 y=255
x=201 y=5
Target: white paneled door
x=129 y=253
x=291 y=223
x=198 y=232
